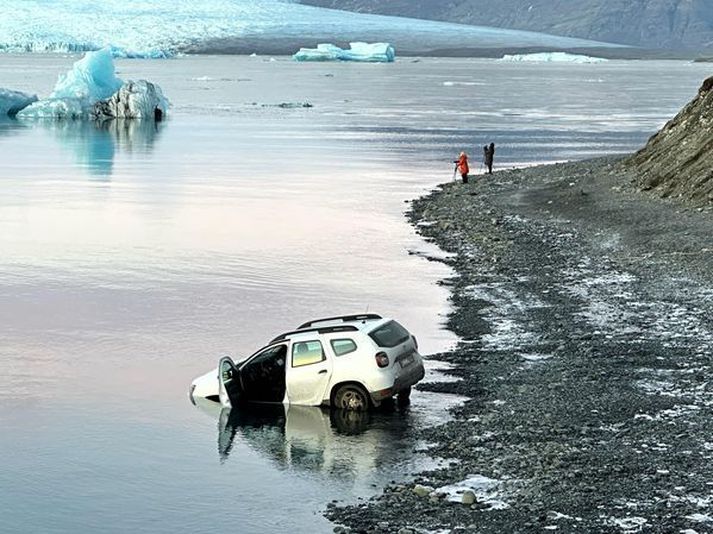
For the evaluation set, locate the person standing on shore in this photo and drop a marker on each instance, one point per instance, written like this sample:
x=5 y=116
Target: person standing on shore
x=462 y=166
x=489 y=156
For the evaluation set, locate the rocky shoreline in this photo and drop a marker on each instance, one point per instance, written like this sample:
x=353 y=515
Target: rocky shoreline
x=585 y=312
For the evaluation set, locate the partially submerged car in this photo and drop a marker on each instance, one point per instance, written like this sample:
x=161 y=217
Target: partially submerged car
x=351 y=362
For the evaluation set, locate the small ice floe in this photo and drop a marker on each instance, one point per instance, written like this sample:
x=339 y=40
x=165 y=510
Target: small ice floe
x=552 y=57
x=11 y=102
x=487 y=491
x=358 y=51
x=467 y=84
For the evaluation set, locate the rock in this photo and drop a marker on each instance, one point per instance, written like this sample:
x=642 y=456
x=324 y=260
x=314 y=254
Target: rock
x=133 y=100
x=422 y=491
x=677 y=161
x=468 y=497
x=405 y=531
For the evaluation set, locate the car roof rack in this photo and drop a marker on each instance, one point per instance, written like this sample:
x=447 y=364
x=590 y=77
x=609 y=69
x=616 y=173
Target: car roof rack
x=343 y=318
x=320 y=330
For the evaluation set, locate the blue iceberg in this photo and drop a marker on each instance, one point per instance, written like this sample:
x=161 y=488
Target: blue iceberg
x=358 y=51
x=92 y=90
x=12 y=102
x=91 y=79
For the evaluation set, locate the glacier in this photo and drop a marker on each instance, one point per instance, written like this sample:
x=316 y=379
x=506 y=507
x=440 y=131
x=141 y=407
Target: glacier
x=552 y=57
x=358 y=51
x=11 y=102
x=91 y=89
x=157 y=28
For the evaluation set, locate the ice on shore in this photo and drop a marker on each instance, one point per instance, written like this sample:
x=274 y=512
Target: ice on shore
x=552 y=57
x=486 y=490
x=358 y=51
x=91 y=89
x=12 y=102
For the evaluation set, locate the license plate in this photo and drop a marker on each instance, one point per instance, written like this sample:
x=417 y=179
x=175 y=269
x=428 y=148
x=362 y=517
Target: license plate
x=408 y=360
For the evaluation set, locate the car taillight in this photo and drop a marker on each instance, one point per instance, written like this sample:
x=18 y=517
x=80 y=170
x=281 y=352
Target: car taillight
x=415 y=341
x=382 y=359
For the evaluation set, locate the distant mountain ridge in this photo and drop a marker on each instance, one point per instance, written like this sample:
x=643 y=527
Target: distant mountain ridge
x=657 y=24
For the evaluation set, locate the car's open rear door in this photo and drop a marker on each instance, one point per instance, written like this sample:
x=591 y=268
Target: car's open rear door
x=228 y=382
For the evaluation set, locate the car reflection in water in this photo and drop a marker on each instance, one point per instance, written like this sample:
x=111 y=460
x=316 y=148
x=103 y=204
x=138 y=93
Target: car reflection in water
x=343 y=444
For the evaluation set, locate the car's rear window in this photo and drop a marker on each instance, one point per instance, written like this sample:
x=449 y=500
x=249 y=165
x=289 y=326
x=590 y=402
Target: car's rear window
x=389 y=335
x=307 y=353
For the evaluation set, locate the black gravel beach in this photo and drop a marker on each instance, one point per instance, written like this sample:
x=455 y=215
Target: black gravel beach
x=585 y=312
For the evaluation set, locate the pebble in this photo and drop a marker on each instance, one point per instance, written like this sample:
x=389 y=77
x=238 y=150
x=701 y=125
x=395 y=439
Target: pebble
x=468 y=497
x=422 y=491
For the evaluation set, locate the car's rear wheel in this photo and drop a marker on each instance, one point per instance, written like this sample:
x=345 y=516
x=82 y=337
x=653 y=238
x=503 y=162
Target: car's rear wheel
x=404 y=397
x=351 y=397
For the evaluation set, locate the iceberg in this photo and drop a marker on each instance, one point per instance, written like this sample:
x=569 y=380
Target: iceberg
x=157 y=28
x=92 y=90
x=358 y=51
x=552 y=57
x=11 y=102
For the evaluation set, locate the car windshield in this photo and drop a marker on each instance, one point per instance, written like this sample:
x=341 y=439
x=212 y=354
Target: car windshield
x=389 y=335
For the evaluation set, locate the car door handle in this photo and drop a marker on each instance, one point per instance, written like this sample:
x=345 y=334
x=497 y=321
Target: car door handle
x=322 y=372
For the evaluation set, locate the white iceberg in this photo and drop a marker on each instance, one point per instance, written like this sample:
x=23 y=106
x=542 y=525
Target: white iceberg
x=11 y=102
x=358 y=51
x=552 y=57
x=92 y=90
x=157 y=28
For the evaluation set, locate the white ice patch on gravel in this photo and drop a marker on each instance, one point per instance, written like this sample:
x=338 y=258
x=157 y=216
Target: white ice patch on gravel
x=629 y=524
x=700 y=518
x=535 y=357
x=507 y=316
x=487 y=491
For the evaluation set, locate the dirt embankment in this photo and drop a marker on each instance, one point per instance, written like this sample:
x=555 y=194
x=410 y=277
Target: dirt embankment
x=585 y=310
x=678 y=161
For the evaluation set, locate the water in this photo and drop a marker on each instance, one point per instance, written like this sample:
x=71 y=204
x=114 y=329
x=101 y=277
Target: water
x=131 y=256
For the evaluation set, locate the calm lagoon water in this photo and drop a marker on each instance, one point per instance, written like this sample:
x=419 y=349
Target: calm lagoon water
x=132 y=256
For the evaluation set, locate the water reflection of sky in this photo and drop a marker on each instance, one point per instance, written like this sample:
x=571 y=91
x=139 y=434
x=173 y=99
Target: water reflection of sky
x=94 y=144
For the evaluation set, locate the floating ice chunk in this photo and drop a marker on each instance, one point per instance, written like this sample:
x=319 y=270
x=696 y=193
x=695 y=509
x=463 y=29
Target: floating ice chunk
x=134 y=100
x=552 y=57
x=91 y=79
x=92 y=90
x=11 y=102
x=358 y=51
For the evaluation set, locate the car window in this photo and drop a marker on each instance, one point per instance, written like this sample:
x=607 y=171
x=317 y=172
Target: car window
x=389 y=335
x=307 y=353
x=343 y=346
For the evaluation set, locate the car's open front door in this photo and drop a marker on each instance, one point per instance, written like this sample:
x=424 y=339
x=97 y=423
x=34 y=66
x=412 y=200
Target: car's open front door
x=229 y=382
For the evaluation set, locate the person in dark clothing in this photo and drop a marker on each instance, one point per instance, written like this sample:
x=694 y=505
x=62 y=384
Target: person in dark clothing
x=462 y=166
x=489 y=156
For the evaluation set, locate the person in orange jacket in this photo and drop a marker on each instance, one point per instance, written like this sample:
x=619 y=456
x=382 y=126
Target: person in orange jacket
x=462 y=166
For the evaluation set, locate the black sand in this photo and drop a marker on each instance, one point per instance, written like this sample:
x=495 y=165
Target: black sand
x=586 y=313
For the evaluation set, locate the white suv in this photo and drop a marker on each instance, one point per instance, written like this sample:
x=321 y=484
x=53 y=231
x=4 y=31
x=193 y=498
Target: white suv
x=350 y=362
